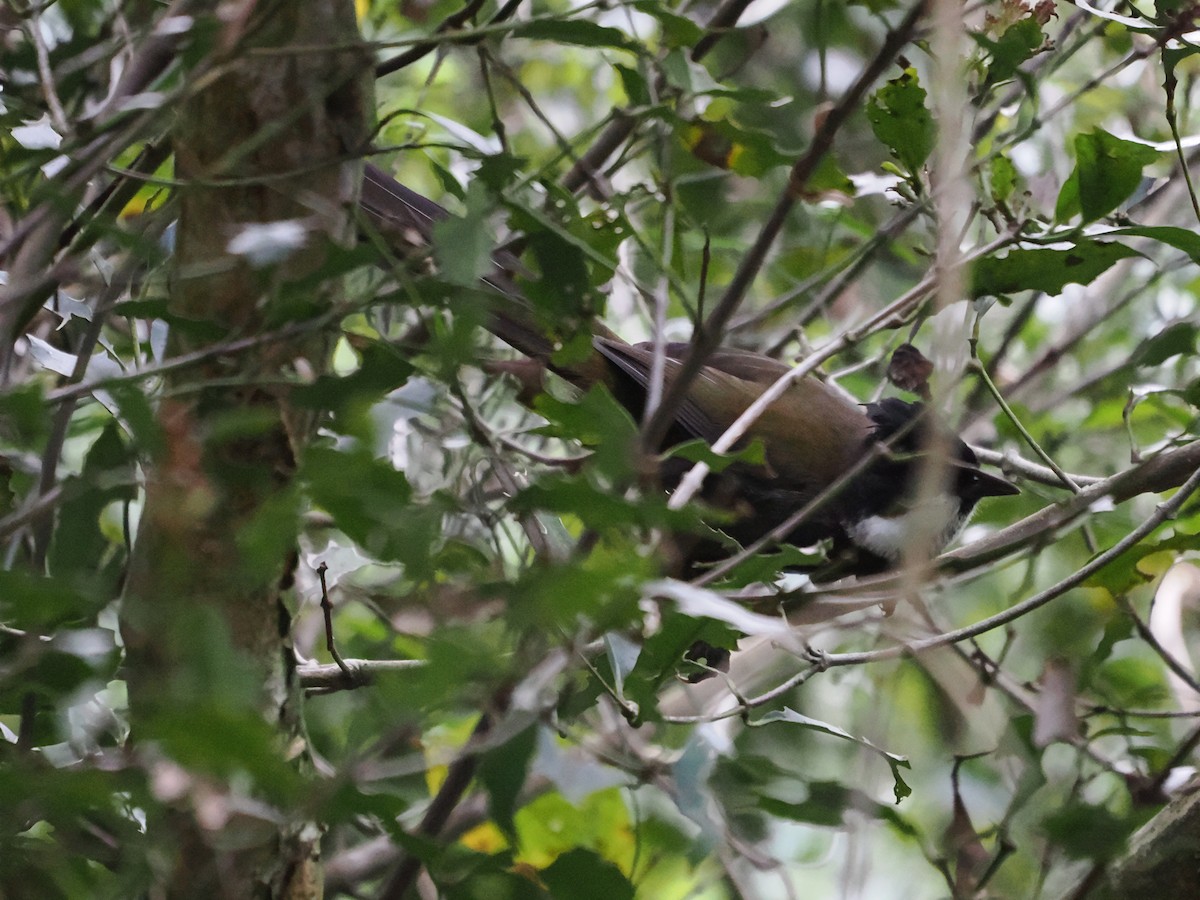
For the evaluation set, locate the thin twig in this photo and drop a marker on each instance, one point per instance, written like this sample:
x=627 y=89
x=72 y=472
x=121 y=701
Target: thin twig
x=327 y=611
x=982 y=372
x=43 y=527
x=418 y=51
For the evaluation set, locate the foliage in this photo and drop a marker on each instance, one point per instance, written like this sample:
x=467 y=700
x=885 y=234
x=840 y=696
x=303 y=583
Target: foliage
x=514 y=555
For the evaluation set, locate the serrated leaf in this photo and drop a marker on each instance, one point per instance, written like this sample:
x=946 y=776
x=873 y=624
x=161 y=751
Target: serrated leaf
x=599 y=509
x=462 y=245
x=702 y=603
x=373 y=504
x=1004 y=178
x=769 y=565
x=604 y=589
x=1045 y=270
x=1017 y=44
x=900 y=119
x=596 y=420
x=661 y=655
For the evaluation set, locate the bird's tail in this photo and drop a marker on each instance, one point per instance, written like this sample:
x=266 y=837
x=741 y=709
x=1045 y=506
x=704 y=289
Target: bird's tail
x=406 y=221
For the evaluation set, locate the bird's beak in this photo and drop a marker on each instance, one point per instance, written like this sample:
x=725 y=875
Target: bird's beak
x=989 y=485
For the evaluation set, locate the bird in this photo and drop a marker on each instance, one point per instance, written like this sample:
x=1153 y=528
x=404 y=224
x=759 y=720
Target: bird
x=812 y=437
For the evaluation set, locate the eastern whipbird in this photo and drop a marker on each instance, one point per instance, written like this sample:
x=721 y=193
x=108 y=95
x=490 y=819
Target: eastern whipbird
x=811 y=436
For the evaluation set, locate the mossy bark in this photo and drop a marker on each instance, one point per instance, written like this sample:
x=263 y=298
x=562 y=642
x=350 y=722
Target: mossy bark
x=271 y=132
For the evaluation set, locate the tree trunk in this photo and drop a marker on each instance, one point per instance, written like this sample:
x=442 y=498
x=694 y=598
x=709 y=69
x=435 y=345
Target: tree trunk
x=269 y=134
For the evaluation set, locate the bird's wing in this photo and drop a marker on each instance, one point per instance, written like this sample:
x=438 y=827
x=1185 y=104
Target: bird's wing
x=395 y=208
x=636 y=360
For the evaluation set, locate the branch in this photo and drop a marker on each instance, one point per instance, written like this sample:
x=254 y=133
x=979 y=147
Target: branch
x=462 y=770
x=1161 y=861
x=326 y=679
x=1123 y=481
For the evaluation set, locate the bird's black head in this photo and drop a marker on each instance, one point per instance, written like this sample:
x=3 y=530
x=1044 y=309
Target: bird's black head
x=905 y=426
x=881 y=506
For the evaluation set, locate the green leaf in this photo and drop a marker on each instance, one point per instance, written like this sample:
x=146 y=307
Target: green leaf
x=827 y=803
x=1045 y=270
x=700 y=451
x=23 y=416
x=381 y=370
x=636 y=89
x=1177 y=338
x=900 y=120
x=79 y=542
x=564 y=296
x=597 y=421
x=247 y=746
x=603 y=589
x=829 y=176
x=1020 y=41
x=1004 y=178
x=767 y=566
x=373 y=504
x=894 y=760
x=462 y=245
x=579 y=32
x=661 y=655
x=1172 y=57
x=723 y=143
x=265 y=541
x=1107 y=171
x=677 y=30
x=582 y=874
x=137 y=414
x=1180 y=238
x=502 y=771
x=1131 y=683
x=36 y=603
x=1085 y=831
x=551 y=826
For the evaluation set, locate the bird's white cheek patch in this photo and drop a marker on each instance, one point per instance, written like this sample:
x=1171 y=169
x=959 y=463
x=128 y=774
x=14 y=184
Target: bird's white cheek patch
x=889 y=536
